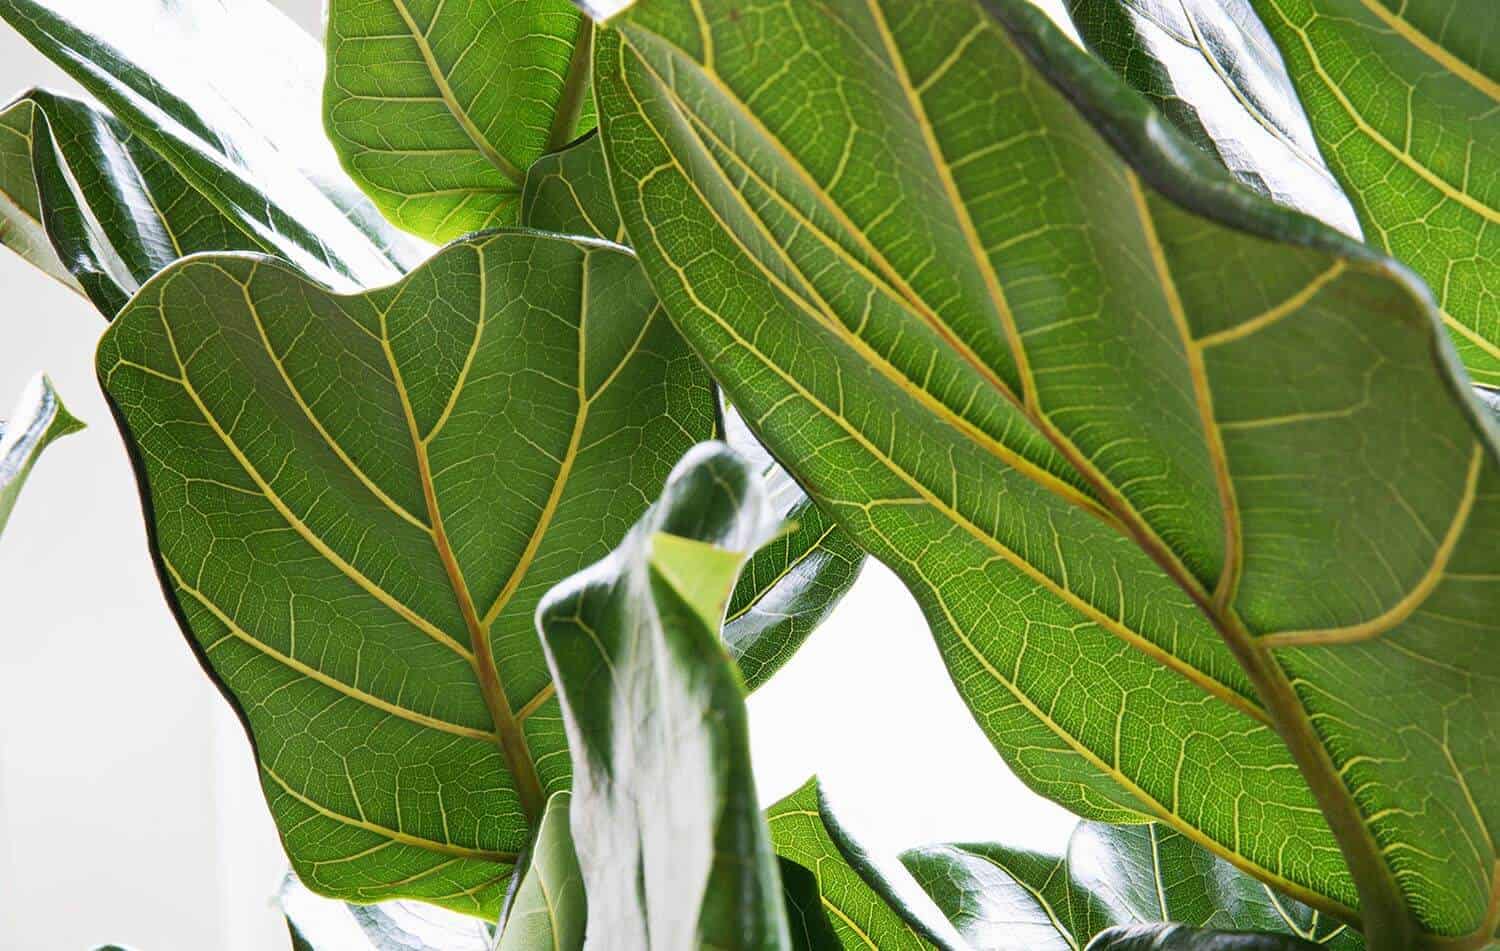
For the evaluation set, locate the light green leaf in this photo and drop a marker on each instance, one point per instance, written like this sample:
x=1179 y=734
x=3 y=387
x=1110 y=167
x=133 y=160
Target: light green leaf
x=550 y=909
x=357 y=503
x=38 y=418
x=868 y=906
x=1179 y=938
x=1007 y=899
x=1215 y=72
x=325 y=924
x=109 y=210
x=1405 y=97
x=438 y=109
x=1180 y=478
x=225 y=93
x=568 y=192
x=670 y=839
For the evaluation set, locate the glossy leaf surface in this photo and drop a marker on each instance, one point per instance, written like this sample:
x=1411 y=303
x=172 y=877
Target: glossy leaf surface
x=668 y=831
x=867 y=906
x=1180 y=478
x=550 y=910
x=21 y=226
x=438 y=109
x=1216 y=73
x=1007 y=899
x=1405 y=97
x=227 y=94
x=111 y=211
x=791 y=585
x=357 y=503
x=1179 y=938
x=37 y=419
x=326 y=924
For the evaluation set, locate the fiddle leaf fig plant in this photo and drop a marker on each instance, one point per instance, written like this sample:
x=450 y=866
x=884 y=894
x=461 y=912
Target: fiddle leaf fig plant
x=1105 y=328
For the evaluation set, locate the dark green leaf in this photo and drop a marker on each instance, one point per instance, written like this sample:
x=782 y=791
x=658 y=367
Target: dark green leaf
x=811 y=930
x=226 y=93
x=1006 y=899
x=21 y=227
x=1180 y=478
x=357 y=503
x=550 y=910
x=38 y=418
x=1178 y=938
x=673 y=849
x=868 y=905
x=1405 y=97
x=1212 y=69
x=326 y=924
x=438 y=109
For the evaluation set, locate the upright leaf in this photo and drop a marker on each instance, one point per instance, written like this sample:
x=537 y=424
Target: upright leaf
x=550 y=909
x=1405 y=97
x=1180 y=478
x=356 y=504
x=39 y=418
x=438 y=109
x=1216 y=73
x=669 y=836
x=1006 y=899
x=226 y=93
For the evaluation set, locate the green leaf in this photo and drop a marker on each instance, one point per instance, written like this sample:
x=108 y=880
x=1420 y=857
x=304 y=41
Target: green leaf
x=324 y=924
x=1405 y=97
x=670 y=839
x=810 y=927
x=38 y=418
x=438 y=110
x=110 y=210
x=1178 y=938
x=21 y=227
x=1214 y=71
x=792 y=584
x=1180 y=478
x=869 y=906
x=1005 y=898
x=550 y=909
x=356 y=503
x=226 y=94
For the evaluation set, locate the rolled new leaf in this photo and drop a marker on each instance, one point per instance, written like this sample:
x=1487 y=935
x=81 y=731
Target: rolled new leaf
x=438 y=110
x=356 y=503
x=1002 y=898
x=1179 y=477
x=226 y=94
x=669 y=836
x=1179 y=938
x=38 y=418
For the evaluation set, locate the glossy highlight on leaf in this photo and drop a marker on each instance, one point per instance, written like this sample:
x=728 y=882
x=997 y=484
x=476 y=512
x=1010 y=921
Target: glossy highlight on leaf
x=665 y=821
x=356 y=503
x=1179 y=938
x=438 y=109
x=326 y=924
x=38 y=418
x=1171 y=525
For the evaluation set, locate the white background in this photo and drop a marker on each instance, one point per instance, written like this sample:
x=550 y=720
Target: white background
x=129 y=806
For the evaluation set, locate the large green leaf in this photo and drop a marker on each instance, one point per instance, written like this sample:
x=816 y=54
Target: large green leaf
x=1405 y=97
x=868 y=906
x=1007 y=899
x=792 y=584
x=38 y=418
x=1180 y=478
x=438 y=109
x=669 y=835
x=226 y=93
x=109 y=209
x=1215 y=72
x=356 y=504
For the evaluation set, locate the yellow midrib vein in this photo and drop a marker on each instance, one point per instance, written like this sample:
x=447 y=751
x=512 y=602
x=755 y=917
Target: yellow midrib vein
x=1434 y=50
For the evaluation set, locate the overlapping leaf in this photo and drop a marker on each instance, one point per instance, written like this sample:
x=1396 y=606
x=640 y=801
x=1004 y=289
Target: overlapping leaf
x=1182 y=938
x=356 y=504
x=438 y=109
x=38 y=418
x=325 y=924
x=791 y=585
x=1180 y=478
x=21 y=227
x=1216 y=73
x=669 y=836
x=550 y=909
x=1006 y=899
x=1405 y=97
x=226 y=95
